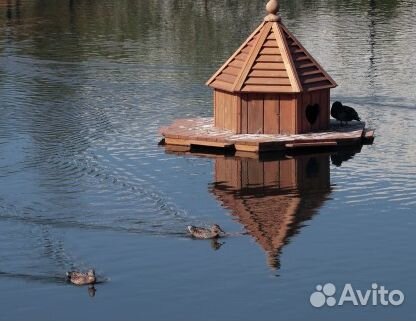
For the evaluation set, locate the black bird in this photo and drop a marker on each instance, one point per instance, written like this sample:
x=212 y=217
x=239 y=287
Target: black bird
x=343 y=113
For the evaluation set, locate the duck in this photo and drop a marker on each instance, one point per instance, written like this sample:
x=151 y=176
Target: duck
x=205 y=233
x=81 y=278
x=343 y=113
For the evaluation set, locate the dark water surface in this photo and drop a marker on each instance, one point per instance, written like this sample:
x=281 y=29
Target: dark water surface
x=84 y=87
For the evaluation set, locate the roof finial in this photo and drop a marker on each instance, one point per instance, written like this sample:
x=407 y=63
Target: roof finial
x=272 y=7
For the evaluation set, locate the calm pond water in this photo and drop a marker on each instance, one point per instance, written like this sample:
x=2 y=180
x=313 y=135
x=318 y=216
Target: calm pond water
x=84 y=87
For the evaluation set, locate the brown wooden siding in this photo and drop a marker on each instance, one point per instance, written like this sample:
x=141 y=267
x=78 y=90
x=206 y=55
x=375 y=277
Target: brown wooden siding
x=225 y=110
x=287 y=114
x=320 y=97
x=264 y=113
x=271 y=114
x=244 y=113
x=255 y=114
x=325 y=104
x=261 y=113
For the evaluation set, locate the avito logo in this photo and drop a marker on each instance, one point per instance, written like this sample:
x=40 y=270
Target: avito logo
x=377 y=295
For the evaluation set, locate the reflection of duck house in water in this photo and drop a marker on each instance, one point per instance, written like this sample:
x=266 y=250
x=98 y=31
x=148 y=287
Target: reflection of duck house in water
x=272 y=199
x=271 y=94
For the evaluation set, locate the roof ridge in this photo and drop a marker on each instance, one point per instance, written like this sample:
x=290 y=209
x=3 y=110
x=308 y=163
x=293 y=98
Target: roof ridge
x=287 y=58
x=239 y=82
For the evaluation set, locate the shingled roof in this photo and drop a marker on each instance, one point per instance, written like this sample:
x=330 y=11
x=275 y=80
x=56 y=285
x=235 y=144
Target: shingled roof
x=271 y=60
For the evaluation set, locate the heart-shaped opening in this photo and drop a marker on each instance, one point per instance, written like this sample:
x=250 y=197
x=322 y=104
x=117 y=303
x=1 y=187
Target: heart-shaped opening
x=312 y=113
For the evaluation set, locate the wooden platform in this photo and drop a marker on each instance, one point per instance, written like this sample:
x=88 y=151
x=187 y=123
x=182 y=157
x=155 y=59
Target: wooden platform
x=201 y=132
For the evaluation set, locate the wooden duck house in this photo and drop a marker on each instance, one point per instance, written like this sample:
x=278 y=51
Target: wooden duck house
x=271 y=94
x=271 y=84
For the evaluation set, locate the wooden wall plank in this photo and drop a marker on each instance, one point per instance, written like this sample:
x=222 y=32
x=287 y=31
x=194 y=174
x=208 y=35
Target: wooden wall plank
x=238 y=113
x=287 y=114
x=220 y=109
x=227 y=111
x=294 y=113
x=255 y=114
x=319 y=97
x=322 y=110
x=244 y=113
x=325 y=101
x=226 y=106
x=215 y=107
x=297 y=114
x=233 y=104
x=271 y=114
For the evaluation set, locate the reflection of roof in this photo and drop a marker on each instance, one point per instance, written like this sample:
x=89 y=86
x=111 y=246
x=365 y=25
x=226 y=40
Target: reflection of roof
x=271 y=60
x=273 y=213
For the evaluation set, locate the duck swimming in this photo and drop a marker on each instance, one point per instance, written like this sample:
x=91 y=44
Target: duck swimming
x=343 y=113
x=80 y=278
x=205 y=233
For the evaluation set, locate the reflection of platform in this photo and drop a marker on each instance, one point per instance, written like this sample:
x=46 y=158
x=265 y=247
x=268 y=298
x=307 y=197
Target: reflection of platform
x=201 y=132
